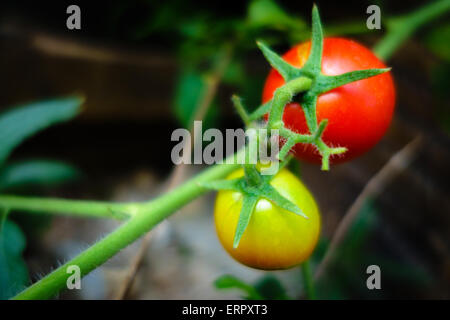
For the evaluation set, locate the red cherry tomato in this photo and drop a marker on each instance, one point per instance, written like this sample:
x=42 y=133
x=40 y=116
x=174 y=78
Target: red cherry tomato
x=358 y=113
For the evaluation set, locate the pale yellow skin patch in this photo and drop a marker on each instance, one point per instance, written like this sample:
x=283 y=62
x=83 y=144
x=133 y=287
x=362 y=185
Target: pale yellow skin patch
x=274 y=238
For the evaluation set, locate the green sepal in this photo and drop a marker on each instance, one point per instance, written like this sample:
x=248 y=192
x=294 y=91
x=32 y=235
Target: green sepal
x=248 y=205
x=253 y=186
x=314 y=63
x=286 y=70
x=326 y=83
x=271 y=194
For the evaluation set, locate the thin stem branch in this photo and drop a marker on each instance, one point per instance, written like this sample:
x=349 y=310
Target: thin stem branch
x=373 y=188
x=80 y=208
x=308 y=282
x=237 y=102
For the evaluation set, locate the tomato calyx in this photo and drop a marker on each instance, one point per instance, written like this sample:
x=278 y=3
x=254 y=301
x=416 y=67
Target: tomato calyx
x=253 y=186
x=310 y=82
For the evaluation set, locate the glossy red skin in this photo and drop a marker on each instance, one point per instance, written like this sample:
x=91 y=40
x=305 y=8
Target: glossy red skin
x=358 y=113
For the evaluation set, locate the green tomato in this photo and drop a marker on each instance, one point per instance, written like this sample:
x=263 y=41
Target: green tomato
x=274 y=238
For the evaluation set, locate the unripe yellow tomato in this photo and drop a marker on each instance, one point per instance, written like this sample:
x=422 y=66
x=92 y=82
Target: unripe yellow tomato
x=274 y=238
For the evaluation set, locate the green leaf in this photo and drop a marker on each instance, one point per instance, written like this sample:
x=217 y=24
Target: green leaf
x=231 y=282
x=248 y=204
x=35 y=172
x=189 y=91
x=14 y=273
x=269 y=287
x=268 y=14
x=195 y=28
x=438 y=41
x=21 y=122
x=235 y=74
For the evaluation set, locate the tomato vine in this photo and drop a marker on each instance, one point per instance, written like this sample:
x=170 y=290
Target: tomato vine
x=143 y=216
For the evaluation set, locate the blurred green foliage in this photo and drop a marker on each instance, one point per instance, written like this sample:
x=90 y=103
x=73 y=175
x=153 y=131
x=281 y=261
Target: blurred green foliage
x=201 y=37
x=14 y=273
x=16 y=125
x=232 y=282
x=23 y=121
x=267 y=287
x=438 y=40
x=190 y=88
x=198 y=32
x=27 y=173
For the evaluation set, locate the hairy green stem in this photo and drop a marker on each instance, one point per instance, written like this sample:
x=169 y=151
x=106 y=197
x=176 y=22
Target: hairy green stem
x=282 y=96
x=401 y=28
x=308 y=281
x=149 y=214
x=237 y=102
